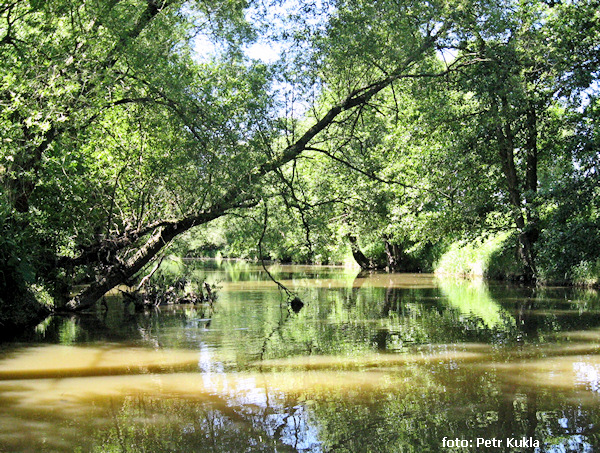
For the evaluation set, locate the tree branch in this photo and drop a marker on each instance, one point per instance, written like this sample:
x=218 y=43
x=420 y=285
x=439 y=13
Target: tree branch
x=235 y=196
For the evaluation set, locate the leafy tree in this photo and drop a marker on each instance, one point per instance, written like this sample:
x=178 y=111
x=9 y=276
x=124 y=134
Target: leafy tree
x=473 y=151
x=97 y=99
x=118 y=141
x=526 y=72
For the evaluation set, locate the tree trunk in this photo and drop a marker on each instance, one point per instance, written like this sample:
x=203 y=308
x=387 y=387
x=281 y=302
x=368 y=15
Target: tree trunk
x=393 y=254
x=120 y=272
x=531 y=178
x=358 y=255
x=506 y=147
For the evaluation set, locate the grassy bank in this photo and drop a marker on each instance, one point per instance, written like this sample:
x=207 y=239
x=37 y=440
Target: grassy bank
x=495 y=257
x=492 y=257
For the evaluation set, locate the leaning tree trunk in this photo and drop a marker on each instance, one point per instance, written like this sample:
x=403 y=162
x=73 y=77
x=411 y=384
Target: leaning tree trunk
x=240 y=196
x=121 y=271
x=358 y=255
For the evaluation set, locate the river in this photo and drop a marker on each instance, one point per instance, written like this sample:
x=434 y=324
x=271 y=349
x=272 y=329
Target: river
x=375 y=363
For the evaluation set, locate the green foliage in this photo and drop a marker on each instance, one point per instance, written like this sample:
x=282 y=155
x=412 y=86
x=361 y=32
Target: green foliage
x=440 y=121
x=110 y=125
x=18 y=304
x=587 y=273
x=492 y=257
x=570 y=242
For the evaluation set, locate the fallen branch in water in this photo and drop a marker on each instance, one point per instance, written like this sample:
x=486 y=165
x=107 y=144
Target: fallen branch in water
x=163 y=291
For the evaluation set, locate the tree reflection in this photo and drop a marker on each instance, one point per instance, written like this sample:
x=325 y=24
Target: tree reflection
x=377 y=363
x=146 y=424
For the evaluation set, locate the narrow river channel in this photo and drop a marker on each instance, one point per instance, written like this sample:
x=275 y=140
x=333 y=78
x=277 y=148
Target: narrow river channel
x=375 y=363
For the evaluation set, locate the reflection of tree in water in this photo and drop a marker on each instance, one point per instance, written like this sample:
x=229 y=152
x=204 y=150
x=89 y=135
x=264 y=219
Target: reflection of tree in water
x=353 y=320
x=363 y=317
x=425 y=403
x=542 y=311
x=122 y=324
x=390 y=421
x=144 y=423
x=417 y=421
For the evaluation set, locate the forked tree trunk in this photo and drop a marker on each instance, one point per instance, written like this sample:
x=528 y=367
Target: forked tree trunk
x=393 y=254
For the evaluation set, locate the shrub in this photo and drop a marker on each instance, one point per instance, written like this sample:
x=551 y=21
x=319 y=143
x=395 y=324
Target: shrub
x=587 y=273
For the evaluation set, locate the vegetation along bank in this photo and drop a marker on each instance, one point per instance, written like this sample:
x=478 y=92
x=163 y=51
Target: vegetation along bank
x=460 y=134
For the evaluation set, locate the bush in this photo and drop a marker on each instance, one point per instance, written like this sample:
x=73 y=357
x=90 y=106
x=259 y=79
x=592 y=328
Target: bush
x=568 y=252
x=19 y=306
x=587 y=273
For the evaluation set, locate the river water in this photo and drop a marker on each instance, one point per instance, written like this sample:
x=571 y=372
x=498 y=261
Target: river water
x=375 y=363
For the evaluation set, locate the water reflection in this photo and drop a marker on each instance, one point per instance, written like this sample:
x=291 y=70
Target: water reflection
x=370 y=363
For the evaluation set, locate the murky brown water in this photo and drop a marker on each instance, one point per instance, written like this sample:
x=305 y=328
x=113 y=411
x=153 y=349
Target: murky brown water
x=382 y=363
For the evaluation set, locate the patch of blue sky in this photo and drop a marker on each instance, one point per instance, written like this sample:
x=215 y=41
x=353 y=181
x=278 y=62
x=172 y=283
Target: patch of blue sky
x=275 y=24
x=264 y=50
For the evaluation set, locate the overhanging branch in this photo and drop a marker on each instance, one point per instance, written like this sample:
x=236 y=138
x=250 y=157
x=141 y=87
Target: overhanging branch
x=236 y=196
